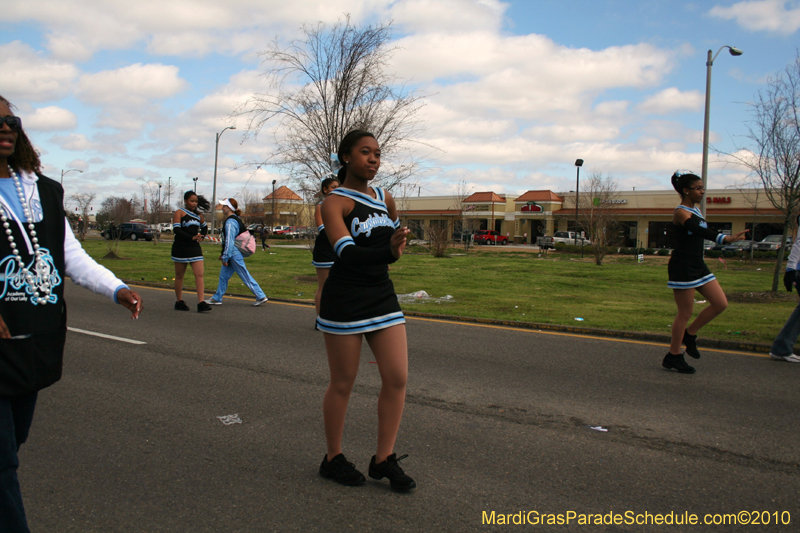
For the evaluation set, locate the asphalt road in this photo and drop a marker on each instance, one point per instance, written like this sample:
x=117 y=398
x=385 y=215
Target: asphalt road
x=496 y=420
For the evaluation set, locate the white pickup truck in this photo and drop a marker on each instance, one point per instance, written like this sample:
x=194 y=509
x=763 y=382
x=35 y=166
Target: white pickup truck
x=566 y=237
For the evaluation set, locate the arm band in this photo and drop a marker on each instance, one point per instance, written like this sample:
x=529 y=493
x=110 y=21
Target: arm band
x=693 y=226
x=180 y=232
x=204 y=229
x=354 y=256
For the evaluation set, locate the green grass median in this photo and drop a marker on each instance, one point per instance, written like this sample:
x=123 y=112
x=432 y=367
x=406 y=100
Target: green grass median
x=555 y=289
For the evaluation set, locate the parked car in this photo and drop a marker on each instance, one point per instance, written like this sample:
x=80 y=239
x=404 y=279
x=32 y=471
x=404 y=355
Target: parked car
x=128 y=230
x=545 y=243
x=165 y=227
x=570 y=237
x=771 y=243
x=485 y=236
x=738 y=246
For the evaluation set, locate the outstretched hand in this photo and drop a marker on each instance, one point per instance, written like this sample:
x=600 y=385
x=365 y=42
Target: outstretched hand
x=398 y=242
x=131 y=300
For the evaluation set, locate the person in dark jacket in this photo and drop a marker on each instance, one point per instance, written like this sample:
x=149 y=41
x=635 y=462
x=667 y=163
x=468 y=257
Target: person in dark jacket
x=37 y=251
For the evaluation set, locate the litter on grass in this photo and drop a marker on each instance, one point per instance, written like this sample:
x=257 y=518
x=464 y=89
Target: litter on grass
x=422 y=297
x=578 y=319
x=598 y=428
x=230 y=419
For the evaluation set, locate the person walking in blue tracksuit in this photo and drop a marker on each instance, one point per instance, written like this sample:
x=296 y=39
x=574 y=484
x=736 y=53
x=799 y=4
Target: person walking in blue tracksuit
x=232 y=259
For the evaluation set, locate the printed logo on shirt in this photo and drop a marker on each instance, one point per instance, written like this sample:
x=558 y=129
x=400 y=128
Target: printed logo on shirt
x=16 y=288
x=373 y=221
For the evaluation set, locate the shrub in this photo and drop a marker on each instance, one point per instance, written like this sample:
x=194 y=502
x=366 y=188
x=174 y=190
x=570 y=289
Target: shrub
x=664 y=251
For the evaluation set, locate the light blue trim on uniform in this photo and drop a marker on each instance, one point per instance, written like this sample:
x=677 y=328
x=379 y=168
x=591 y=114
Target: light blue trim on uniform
x=327 y=264
x=377 y=203
x=187 y=259
x=321 y=227
x=189 y=213
x=691 y=284
x=720 y=238
x=692 y=210
x=342 y=243
x=397 y=223
x=361 y=326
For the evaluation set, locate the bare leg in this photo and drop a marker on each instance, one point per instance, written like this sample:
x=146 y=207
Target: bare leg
x=684 y=298
x=344 y=354
x=391 y=353
x=322 y=276
x=180 y=271
x=717 y=303
x=198 y=269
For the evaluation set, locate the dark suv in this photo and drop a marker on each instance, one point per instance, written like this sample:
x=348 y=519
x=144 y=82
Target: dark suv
x=128 y=230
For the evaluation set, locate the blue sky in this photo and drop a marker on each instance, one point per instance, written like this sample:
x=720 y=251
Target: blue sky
x=132 y=94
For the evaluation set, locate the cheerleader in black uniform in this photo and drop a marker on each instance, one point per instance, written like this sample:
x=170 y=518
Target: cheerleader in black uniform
x=324 y=256
x=358 y=300
x=189 y=229
x=688 y=272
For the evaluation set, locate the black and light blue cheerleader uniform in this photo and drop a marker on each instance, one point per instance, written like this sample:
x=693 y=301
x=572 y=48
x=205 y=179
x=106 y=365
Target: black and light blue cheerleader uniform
x=184 y=249
x=358 y=296
x=687 y=269
x=323 y=254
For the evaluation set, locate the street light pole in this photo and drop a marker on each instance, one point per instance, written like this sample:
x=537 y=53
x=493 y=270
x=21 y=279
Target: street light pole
x=578 y=165
x=709 y=63
x=194 y=179
x=169 y=190
x=214 y=189
x=158 y=207
x=67 y=172
x=272 y=217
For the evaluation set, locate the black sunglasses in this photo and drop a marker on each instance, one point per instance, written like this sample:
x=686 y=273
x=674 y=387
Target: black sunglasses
x=15 y=123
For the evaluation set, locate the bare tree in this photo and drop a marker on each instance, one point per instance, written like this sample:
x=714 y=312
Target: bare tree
x=751 y=190
x=83 y=203
x=466 y=224
x=774 y=132
x=326 y=84
x=115 y=209
x=598 y=213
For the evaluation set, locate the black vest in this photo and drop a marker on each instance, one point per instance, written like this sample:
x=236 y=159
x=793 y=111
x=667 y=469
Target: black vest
x=32 y=360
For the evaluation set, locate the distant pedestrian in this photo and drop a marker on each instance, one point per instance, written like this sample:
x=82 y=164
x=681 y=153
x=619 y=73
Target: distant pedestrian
x=264 y=234
x=38 y=253
x=323 y=256
x=783 y=345
x=231 y=257
x=688 y=271
x=189 y=228
x=358 y=301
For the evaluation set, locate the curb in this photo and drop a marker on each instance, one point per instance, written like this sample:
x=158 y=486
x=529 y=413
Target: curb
x=756 y=347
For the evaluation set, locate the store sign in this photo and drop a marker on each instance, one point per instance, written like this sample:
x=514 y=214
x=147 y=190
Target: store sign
x=718 y=199
x=531 y=207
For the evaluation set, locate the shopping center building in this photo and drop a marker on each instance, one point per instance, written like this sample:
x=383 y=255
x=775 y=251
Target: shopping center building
x=642 y=217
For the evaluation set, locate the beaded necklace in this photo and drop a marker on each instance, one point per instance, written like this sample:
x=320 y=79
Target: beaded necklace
x=41 y=280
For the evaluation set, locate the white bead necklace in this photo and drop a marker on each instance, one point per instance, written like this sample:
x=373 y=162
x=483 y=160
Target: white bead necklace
x=41 y=281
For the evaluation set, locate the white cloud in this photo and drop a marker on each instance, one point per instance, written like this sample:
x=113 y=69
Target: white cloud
x=461 y=15
x=50 y=118
x=29 y=76
x=135 y=84
x=672 y=100
x=762 y=15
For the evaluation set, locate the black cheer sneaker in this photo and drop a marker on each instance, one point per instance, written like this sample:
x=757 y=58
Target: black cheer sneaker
x=203 y=307
x=677 y=362
x=341 y=471
x=690 y=341
x=391 y=469
x=180 y=305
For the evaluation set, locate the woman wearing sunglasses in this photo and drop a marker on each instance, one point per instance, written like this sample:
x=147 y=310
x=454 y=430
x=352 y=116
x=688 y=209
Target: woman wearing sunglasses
x=688 y=271
x=37 y=251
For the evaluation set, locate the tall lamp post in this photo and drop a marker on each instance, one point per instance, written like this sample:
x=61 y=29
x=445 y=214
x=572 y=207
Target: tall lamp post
x=158 y=207
x=63 y=172
x=709 y=63
x=578 y=165
x=194 y=179
x=214 y=189
x=272 y=216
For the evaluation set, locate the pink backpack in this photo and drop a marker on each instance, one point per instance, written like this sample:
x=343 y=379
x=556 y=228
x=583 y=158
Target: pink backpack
x=245 y=243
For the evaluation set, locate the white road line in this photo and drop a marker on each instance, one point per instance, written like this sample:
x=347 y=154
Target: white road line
x=112 y=337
